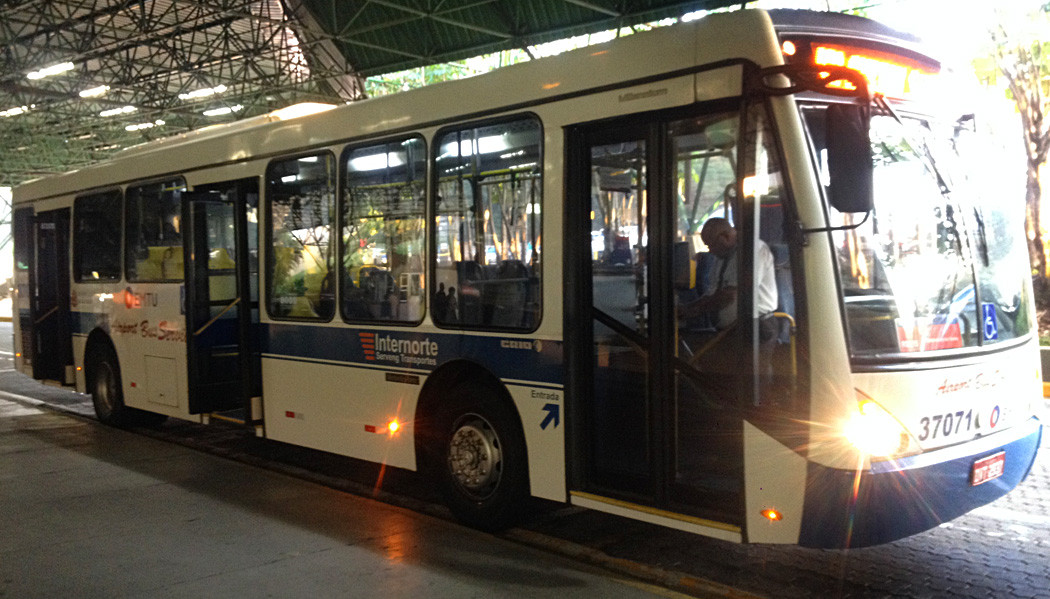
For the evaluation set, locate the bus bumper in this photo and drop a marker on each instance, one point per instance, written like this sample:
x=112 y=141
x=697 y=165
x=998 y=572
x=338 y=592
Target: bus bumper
x=903 y=497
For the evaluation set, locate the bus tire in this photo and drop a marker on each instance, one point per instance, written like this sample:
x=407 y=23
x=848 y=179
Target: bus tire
x=107 y=394
x=481 y=459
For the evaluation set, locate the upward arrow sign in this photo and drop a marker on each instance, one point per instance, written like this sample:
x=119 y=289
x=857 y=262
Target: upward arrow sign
x=553 y=415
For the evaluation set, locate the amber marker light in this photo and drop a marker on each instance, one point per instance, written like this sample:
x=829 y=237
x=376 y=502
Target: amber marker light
x=772 y=515
x=393 y=426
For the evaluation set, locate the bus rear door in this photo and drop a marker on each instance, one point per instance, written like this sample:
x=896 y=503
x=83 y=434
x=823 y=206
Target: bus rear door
x=52 y=345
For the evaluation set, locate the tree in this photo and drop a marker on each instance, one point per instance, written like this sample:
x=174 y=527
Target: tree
x=1023 y=58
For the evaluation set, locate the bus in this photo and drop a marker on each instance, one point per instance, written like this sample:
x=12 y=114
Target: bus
x=732 y=276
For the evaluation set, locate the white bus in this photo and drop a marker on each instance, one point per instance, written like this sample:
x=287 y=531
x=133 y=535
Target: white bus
x=727 y=276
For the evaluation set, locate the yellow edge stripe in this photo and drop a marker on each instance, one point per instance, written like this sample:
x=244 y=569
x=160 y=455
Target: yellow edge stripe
x=225 y=418
x=657 y=512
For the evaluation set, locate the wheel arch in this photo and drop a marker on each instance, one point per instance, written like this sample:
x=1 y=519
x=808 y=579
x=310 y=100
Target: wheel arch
x=432 y=399
x=98 y=341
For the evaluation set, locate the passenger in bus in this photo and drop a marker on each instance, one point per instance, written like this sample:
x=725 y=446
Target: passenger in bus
x=440 y=304
x=452 y=306
x=719 y=293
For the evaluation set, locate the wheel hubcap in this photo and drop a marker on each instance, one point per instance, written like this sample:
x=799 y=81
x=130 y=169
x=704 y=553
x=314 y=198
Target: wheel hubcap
x=475 y=458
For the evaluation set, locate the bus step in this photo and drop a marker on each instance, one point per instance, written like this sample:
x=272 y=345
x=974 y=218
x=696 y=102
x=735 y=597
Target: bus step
x=234 y=416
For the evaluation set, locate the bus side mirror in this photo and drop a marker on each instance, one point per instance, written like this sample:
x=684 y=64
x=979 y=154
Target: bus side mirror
x=849 y=158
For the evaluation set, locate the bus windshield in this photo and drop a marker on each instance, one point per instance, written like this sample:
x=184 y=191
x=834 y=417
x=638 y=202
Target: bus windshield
x=935 y=267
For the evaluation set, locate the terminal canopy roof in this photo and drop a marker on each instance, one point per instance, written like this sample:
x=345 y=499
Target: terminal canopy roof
x=82 y=79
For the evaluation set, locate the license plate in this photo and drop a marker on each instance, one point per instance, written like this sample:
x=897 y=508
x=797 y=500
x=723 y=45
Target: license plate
x=986 y=469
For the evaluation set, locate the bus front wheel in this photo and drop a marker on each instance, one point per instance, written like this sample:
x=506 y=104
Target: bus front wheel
x=482 y=464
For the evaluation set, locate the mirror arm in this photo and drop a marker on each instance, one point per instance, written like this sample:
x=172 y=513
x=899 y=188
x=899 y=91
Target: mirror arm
x=812 y=78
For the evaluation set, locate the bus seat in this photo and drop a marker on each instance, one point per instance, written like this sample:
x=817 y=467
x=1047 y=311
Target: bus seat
x=513 y=269
x=470 y=277
x=219 y=259
x=705 y=273
x=376 y=286
x=507 y=294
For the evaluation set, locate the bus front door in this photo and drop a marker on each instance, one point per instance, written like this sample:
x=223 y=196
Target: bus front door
x=52 y=351
x=221 y=304
x=654 y=426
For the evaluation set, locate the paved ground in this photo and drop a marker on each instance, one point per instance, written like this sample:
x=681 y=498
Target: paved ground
x=89 y=511
x=1002 y=550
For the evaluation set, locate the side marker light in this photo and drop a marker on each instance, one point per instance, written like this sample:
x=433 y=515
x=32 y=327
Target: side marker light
x=772 y=515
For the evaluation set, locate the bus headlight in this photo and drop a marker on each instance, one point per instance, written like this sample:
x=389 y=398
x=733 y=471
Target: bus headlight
x=875 y=432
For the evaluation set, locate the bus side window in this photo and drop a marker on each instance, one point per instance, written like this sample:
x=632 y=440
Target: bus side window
x=154 y=232
x=96 y=237
x=382 y=229
x=488 y=221
x=301 y=198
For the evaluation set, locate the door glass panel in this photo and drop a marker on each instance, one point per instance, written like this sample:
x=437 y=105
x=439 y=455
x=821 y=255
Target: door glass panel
x=620 y=288
x=775 y=333
x=736 y=329
x=222 y=253
x=706 y=262
x=215 y=364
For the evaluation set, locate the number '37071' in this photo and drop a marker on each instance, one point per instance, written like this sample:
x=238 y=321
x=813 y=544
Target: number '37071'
x=952 y=423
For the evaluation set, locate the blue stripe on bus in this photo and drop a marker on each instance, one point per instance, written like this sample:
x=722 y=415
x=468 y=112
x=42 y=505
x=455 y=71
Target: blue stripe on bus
x=506 y=357
x=895 y=504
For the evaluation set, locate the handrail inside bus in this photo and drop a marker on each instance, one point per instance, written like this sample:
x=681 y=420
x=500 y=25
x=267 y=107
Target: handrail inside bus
x=216 y=317
x=46 y=315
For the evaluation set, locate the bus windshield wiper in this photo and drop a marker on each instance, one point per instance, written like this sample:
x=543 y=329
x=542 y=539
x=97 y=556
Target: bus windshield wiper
x=931 y=163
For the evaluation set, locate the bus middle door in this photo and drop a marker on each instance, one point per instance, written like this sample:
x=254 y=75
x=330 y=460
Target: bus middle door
x=220 y=307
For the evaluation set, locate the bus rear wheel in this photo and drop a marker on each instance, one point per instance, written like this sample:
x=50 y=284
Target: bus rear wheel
x=107 y=394
x=481 y=462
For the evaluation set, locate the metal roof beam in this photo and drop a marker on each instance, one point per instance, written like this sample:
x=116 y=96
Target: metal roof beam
x=595 y=7
x=435 y=16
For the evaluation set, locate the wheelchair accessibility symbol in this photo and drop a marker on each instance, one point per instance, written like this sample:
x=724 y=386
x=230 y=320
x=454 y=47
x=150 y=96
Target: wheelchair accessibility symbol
x=991 y=326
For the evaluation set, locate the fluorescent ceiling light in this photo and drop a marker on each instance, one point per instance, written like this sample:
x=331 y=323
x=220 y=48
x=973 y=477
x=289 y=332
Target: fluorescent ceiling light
x=116 y=111
x=203 y=93
x=51 y=70
x=302 y=109
x=469 y=147
x=141 y=126
x=17 y=110
x=374 y=162
x=223 y=110
x=95 y=92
